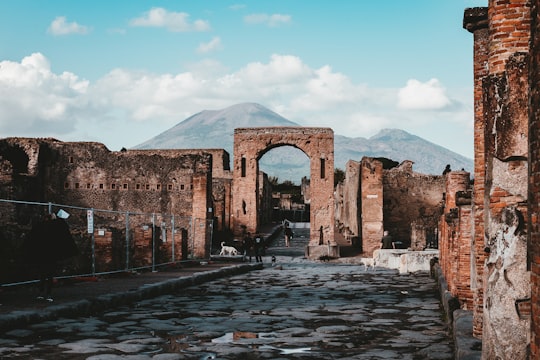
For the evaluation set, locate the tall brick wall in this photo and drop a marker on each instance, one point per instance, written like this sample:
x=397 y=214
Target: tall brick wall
x=534 y=179
x=88 y=175
x=379 y=195
x=475 y=20
x=411 y=199
x=505 y=334
x=456 y=237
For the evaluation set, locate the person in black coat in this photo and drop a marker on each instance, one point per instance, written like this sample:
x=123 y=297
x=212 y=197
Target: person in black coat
x=49 y=242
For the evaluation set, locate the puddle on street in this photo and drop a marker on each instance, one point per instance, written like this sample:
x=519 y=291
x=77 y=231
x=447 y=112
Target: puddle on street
x=231 y=337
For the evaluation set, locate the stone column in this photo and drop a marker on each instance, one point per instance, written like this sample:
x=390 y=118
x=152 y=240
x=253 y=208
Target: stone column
x=475 y=20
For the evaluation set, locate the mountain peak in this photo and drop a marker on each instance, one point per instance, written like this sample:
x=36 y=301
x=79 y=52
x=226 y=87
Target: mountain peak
x=215 y=129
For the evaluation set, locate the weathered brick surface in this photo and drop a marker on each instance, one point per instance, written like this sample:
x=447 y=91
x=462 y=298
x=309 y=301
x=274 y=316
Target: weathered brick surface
x=534 y=180
x=88 y=175
x=500 y=191
x=375 y=197
x=250 y=144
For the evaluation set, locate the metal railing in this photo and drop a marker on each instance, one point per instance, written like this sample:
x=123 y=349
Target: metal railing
x=108 y=241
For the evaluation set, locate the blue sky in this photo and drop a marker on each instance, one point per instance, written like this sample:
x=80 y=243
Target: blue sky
x=121 y=72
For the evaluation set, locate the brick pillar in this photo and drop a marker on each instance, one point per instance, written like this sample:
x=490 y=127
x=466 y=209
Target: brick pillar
x=371 y=201
x=455 y=238
x=534 y=181
x=475 y=20
x=201 y=215
x=506 y=330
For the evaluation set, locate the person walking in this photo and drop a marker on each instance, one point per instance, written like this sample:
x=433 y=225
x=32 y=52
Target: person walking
x=258 y=247
x=387 y=242
x=288 y=235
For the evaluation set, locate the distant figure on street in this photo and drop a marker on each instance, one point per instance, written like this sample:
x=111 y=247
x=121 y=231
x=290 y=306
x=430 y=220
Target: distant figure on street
x=248 y=246
x=49 y=242
x=387 y=242
x=258 y=247
x=288 y=235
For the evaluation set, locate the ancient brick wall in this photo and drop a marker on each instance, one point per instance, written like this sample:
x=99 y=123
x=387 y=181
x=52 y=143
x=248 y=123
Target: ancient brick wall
x=534 y=180
x=377 y=195
x=475 y=20
x=348 y=203
x=250 y=144
x=88 y=175
x=411 y=199
x=505 y=333
x=456 y=237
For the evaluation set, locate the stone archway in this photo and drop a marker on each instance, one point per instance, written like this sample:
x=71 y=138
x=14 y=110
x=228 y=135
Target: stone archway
x=250 y=144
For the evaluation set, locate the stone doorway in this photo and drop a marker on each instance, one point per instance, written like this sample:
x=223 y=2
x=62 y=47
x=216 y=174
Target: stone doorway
x=250 y=144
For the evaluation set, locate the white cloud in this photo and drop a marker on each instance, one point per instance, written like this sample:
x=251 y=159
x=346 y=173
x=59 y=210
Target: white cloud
x=273 y=20
x=212 y=45
x=37 y=102
x=59 y=26
x=173 y=21
x=423 y=96
x=139 y=105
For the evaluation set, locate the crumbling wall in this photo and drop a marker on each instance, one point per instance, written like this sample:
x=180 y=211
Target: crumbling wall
x=348 y=202
x=534 y=180
x=411 y=198
x=456 y=237
x=377 y=195
x=507 y=279
x=88 y=175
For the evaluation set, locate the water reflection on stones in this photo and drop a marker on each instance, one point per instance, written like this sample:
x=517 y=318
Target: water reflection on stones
x=294 y=310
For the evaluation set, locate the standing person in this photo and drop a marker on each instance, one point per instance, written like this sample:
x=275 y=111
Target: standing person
x=49 y=242
x=288 y=235
x=248 y=246
x=258 y=247
x=387 y=242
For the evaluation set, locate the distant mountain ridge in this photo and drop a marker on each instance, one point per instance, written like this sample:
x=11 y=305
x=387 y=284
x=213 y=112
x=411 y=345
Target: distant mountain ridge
x=215 y=129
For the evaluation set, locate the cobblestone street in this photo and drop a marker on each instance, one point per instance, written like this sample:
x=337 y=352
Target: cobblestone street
x=294 y=310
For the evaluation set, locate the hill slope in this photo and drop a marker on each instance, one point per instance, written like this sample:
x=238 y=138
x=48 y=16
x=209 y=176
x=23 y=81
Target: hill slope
x=215 y=129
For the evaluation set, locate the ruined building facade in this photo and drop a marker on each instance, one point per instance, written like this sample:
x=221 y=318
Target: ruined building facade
x=194 y=186
x=490 y=251
x=378 y=194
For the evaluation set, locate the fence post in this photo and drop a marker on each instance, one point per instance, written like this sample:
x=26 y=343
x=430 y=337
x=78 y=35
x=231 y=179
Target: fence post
x=172 y=238
x=127 y=240
x=93 y=244
x=153 y=242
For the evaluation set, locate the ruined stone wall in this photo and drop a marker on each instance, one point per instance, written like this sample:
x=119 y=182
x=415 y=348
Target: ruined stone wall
x=475 y=20
x=506 y=331
x=88 y=175
x=456 y=237
x=501 y=168
x=411 y=198
x=348 y=203
x=373 y=198
x=534 y=179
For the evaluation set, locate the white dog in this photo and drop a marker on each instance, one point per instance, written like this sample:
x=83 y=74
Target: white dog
x=228 y=250
x=369 y=263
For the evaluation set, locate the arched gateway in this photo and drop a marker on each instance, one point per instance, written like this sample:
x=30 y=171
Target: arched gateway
x=250 y=144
